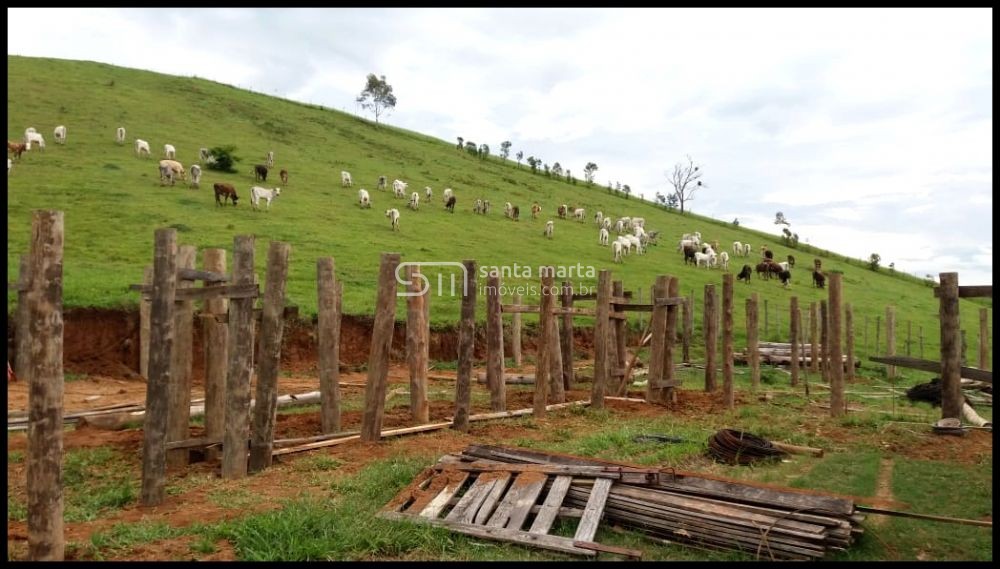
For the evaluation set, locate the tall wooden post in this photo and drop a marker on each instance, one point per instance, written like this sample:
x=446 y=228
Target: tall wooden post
x=543 y=359
x=557 y=387
x=566 y=338
x=179 y=411
x=658 y=343
x=753 y=347
x=241 y=322
x=849 y=336
x=673 y=291
x=145 y=305
x=601 y=339
x=710 y=323
x=161 y=335
x=620 y=331
x=838 y=404
x=793 y=309
x=328 y=340
x=466 y=343
x=813 y=337
x=494 y=345
x=688 y=316
x=951 y=373
x=215 y=340
x=515 y=333
x=890 y=338
x=46 y=541
x=22 y=336
x=416 y=346
x=728 y=393
x=272 y=328
x=824 y=341
x=378 y=357
x=984 y=338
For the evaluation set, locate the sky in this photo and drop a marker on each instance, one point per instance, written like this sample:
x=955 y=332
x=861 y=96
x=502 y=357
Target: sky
x=870 y=129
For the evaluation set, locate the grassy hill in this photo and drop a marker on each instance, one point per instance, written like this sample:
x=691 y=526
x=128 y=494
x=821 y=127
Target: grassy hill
x=113 y=200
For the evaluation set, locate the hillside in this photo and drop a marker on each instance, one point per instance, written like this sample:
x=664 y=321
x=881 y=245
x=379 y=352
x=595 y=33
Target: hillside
x=113 y=200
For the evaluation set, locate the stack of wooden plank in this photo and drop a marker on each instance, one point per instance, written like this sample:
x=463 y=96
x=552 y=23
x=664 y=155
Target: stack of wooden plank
x=705 y=511
x=781 y=353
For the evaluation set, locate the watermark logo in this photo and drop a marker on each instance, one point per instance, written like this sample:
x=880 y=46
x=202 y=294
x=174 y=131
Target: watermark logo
x=402 y=274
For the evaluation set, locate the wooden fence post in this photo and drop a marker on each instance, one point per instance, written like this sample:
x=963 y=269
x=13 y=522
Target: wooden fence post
x=216 y=337
x=813 y=337
x=602 y=338
x=688 y=316
x=878 y=333
x=145 y=304
x=515 y=333
x=951 y=373
x=161 y=335
x=46 y=541
x=890 y=338
x=835 y=363
x=793 y=309
x=546 y=351
x=241 y=322
x=658 y=343
x=984 y=338
x=557 y=385
x=566 y=338
x=466 y=343
x=272 y=328
x=824 y=341
x=328 y=340
x=709 y=323
x=179 y=410
x=494 y=344
x=753 y=350
x=620 y=330
x=416 y=345
x=22 y=349
x=849 y=335
x=669 y=393
x=727 y=341
x=378 y=357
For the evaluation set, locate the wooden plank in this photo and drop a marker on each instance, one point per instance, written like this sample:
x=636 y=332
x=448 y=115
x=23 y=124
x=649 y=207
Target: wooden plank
x=593 y=296
x=514 y=507
x=671 y=301
x=969 y=291
x=594 y=510
x=492 y=498
x=434 y=508
x=227 y=291
x=932 y=366
x=466 y=343
x=189 y=274
x=554 y=543
x=526 y=501
x=46 y=539
x=510 y=378
x=550 y=508
x=630 y=553
x=466 y=508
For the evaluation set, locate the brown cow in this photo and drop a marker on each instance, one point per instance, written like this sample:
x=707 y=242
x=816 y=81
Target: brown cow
x=16 y=148
x=223 y=192
x=284 y=176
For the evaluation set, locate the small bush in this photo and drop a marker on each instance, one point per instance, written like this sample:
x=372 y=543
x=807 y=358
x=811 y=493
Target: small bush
x=221 y=158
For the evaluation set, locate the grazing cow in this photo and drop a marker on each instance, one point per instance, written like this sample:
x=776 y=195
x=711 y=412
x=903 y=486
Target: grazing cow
x=399 y=186
x=549 y=227
x=562 y=211
x=223 y=192
x=599 y=218
x=258 y=193
x=16 y=148
x=737 y=249
x=345 y=179
x=450 y=206
x=689 y=251
x=428 y=192
x=176 y=167
x=414 y=201
x=166 y=172
x=59 y=134
x=141 y=146
x=447 y=194
x=30 y=137
x=745 y=273
x=602 y=236
x=579 y=214
x=204 y=155
x=764 y=270
x=535 y=210
x=195 y=175
x=393 y=215
x=724 y=260
x=486 y=206
x=791 y=262
x=269 y=159
x=515 y=213
x=819 y=280
x=120 y=135
x=284 y=176
x=363 y=199
x=381 y=183
x=260 y=173
x=747 y=249
x=169 y=151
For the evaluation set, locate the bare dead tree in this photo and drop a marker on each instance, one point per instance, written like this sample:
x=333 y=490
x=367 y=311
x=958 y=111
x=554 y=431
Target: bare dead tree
x=686 y=179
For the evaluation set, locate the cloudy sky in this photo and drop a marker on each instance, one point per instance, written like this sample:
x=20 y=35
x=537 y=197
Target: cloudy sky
x=870 y=129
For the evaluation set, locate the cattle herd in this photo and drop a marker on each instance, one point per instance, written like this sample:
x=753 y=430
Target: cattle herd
x=631 y=232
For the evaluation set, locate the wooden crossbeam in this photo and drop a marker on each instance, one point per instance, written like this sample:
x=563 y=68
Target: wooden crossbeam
x=534 y=309
x=933 y=366
x=593 y=296
x=973 y=291
x=207 y=276
x=226 y=291
x=670 y=301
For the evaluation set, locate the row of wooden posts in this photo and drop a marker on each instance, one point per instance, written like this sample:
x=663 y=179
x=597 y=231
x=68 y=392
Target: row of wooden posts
x=229 y=352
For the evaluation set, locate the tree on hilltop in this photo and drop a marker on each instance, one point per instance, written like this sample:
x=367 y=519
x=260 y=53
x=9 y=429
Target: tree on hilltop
x=686 y=179
x=377 y=96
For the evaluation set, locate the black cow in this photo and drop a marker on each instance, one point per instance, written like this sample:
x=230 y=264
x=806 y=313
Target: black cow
x=819 y=281
x=260 y=173
x=689 y=251
x=745 y=273
x=515 y=213
x=450 y=206
x=791 y=262
x=786 y=277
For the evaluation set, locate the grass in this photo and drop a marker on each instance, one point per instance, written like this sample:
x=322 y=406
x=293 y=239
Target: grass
x=124 y=537
x=316 y=216
x=96 y=481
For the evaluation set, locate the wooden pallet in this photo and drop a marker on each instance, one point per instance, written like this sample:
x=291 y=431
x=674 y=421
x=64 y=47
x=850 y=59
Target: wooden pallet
x=497 y=503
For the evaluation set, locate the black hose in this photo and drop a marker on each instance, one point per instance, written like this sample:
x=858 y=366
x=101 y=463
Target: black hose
x=738 y=447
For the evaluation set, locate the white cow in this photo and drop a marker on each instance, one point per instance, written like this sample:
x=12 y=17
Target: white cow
x=414 y=201
x=269 y=159
x=120 y=135
x=599 y=218
x=616 y=251
x=579 y=213
x=174 y=167
x=737 y=248
x=195 y=175
x=428 y=192
x=747 y=248
x=345 y=179
x=549 y=227
x=258 y=193
x=30 y=137
x=393 y=215
x=60 y=134
x=724 y=260
x=141 y=146
x=602 y=237
x=399 y=187
x=169 y=151
x=363 y=198
x=447 y=194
